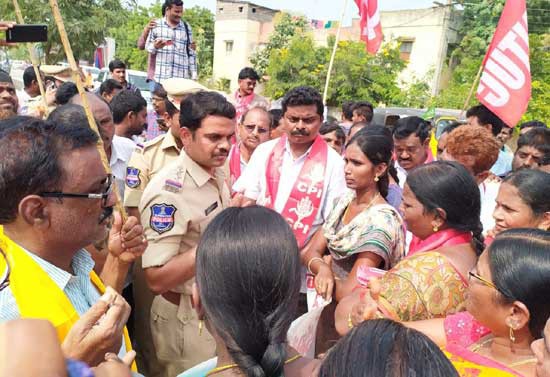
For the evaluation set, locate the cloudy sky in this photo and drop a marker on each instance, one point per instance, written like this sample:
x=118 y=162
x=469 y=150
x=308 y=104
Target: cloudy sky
x=316 y=9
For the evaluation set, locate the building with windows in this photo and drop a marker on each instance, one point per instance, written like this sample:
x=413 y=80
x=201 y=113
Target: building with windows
x=241 y=27
x=425 y=37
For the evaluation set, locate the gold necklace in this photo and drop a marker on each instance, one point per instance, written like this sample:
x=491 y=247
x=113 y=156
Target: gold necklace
x=478 y=347
x=367 y=207
x=230 y=366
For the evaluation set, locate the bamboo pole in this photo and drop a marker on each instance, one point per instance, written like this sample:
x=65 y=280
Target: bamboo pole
x=34 y=59
x=78 y=81
x=471 y=90
x=331 y=63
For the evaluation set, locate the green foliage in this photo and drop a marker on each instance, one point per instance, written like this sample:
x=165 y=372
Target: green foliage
x=202 y=23
x=86 y=22
x=480 y=20
x=286 y=27
x=355 y=75
x=539 y=106
x=127 y=34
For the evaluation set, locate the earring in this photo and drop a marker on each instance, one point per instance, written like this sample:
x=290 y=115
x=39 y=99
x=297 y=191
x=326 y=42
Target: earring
x=435 y=229
x=376 y=179
x=512 y=336
x=201 y=325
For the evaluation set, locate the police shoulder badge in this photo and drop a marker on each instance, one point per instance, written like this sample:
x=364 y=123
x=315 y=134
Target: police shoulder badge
x=162 y=217
x=132 y=177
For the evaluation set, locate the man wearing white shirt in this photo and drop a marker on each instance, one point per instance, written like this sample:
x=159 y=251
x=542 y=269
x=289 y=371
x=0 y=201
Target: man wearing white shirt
x=297 y=175
x=411 y=137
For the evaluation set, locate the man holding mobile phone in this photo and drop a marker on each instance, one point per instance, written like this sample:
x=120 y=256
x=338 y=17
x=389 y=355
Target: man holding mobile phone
x=171 y=41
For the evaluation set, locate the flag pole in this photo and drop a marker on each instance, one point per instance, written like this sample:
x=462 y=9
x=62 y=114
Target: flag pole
x=472 y=90
x=331 y=63
x=34 y=59
x=78 y=81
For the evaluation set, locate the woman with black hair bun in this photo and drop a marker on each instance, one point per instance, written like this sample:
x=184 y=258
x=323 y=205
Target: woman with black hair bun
x=507 y=308
x=246 y=292
x=380 y=348
x=441 y=206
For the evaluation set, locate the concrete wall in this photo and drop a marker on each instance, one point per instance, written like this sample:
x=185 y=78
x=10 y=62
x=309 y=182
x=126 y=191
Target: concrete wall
x=431 y=30
x=248 y=26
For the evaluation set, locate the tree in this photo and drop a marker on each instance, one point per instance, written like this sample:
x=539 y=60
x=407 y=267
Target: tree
x=286 y=27
x=356 y=75
x=202 y=22
x=86 y=22
x=126 y=35
x=480 y=20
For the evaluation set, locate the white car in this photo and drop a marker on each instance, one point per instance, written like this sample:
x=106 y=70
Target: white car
x=138 y=78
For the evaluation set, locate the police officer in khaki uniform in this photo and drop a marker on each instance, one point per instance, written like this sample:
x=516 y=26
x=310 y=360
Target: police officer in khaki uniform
x=147 y=160
x=152 y=156
x=175 y=208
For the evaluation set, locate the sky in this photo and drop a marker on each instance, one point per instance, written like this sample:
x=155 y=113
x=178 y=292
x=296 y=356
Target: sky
x=316 y=9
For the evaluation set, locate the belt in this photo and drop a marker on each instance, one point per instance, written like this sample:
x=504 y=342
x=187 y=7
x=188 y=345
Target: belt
x=172 y=297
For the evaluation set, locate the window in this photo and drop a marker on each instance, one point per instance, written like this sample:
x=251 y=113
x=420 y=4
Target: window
x=253 y=10
x=241 y=9
x=220 y=10
x=228 y=47
x=405 y=49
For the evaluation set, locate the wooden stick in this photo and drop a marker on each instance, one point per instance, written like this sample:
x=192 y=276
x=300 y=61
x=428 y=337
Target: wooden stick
x=34 y=59
x=76 y=76
x=329 y=73
x=471 y=90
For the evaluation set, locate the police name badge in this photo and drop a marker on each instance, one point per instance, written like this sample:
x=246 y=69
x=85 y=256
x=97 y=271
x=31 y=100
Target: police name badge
x=162 y=217
x=132 y=177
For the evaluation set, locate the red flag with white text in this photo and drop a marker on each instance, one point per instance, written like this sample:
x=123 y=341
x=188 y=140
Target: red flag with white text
x=371 y=28
x=505 y=84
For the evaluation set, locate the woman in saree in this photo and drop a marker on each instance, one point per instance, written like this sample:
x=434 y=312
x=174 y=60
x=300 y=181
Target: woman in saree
x=362 y=230
x=441 y=205
x=523 y=201
x=507 y=308
x=541 y=349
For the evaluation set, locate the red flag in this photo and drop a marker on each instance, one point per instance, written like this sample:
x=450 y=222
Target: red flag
x=505 y=85
x=371 y=28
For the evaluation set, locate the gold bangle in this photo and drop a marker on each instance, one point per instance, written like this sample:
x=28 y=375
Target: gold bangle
x=311 y=261
x=350 y=322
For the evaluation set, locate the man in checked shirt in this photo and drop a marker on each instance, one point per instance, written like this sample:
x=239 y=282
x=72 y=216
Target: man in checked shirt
x=171 y=41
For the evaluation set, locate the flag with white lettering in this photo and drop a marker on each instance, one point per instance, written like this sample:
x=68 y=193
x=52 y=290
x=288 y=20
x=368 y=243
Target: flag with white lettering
x=371 y=28
x=505 y=84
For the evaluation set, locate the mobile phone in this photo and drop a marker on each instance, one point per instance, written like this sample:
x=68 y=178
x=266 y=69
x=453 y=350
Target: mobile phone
x=169 y=42
x=27 y=33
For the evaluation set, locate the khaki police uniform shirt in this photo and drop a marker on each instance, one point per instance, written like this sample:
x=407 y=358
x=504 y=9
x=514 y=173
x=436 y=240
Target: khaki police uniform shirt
x=176 y=206
x=145 y=163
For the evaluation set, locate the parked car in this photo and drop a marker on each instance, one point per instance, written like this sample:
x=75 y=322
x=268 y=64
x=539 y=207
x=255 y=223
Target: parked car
x=138 y=78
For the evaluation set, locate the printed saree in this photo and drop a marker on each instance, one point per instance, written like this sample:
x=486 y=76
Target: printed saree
x=378 y=229
x=423 y=286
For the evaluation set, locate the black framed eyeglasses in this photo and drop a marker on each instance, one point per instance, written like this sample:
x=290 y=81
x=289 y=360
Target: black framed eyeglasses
x=104 y=195
x=5 y=278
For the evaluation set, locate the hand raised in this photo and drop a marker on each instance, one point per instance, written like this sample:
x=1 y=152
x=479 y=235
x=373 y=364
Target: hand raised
x=126 y=242
x=99 y=330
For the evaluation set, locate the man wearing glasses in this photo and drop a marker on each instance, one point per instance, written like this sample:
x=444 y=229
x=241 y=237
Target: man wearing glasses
x=57 y=199
x=297 y=175
x=254 y=129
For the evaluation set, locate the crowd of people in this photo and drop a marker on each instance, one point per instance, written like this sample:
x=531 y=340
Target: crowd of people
x=240 y=239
